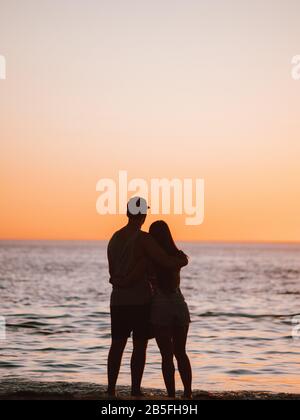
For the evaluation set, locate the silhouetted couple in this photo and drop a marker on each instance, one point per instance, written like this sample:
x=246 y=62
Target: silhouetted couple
x=146 y=300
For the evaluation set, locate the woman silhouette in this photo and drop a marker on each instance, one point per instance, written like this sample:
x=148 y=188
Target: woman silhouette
x=170 y=315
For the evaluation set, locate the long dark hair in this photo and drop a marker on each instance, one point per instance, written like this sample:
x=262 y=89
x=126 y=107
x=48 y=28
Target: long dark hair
x=160 y=231
x=167 y=282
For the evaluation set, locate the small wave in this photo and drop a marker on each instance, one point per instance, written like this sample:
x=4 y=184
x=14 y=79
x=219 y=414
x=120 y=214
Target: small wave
x=242 y=315
x=9 y=365
x=62 y=365
x=41 y=328
x=99 y=314
x=282 y=353
x=56 y=331
x=29 y=324
x=37 y=316
x=240 y=372
x=55 y=349
x=289 y=293
x=283 y=274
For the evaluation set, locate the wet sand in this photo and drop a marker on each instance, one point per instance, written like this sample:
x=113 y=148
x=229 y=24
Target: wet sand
x=24 y=390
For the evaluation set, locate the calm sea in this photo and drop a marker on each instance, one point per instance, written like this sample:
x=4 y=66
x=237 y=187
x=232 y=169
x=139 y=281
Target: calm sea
x=243 y=300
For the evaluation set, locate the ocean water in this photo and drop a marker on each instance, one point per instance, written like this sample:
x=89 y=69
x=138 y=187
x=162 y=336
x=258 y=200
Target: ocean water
x=243 y=301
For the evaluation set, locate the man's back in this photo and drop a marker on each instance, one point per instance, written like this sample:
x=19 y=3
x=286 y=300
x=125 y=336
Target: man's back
x=124 y=252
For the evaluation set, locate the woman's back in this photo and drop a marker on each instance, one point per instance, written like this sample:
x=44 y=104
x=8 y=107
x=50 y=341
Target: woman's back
x=167 y=280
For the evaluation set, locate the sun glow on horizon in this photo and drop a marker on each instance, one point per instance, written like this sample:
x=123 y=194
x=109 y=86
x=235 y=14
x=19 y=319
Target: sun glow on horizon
x=161 y=89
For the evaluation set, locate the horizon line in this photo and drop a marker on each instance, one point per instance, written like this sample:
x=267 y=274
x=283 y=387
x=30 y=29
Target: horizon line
x=209 y=241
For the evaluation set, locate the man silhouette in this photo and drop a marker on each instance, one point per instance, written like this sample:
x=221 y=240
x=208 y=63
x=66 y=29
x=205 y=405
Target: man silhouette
x=129 y=251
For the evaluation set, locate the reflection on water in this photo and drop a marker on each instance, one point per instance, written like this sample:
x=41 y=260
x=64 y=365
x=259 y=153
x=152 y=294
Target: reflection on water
x=242 y=299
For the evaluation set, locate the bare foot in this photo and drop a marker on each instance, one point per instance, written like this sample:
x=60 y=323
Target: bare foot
x=137 y=394
x=111 y=393
x=188 y=396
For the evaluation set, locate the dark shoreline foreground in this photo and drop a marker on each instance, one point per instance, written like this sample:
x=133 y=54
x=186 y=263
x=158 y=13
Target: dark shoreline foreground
x=34 y=390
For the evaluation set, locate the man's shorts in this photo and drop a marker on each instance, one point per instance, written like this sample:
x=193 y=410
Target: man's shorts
x=131 y=319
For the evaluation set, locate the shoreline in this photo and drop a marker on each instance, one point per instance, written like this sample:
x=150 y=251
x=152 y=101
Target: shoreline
x=34 y=390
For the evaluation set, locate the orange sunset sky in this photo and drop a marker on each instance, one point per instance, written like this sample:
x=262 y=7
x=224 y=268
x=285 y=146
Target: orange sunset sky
x=159 y=88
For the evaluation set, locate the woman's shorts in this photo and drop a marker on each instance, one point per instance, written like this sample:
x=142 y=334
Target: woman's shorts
x=169 y=310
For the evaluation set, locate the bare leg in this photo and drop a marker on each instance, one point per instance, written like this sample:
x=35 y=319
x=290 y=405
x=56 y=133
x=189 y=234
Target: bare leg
x=184 y=365
x=138 y=361
x=165 y=344
x=114 y=363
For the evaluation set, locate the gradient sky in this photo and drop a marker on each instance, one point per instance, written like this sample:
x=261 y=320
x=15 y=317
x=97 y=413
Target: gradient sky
x=159 y=88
